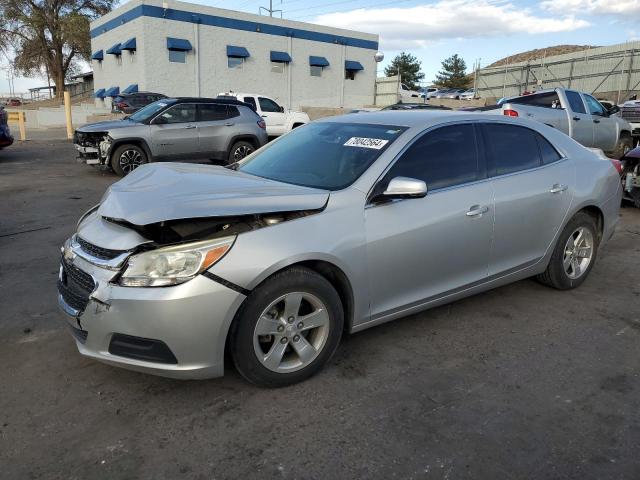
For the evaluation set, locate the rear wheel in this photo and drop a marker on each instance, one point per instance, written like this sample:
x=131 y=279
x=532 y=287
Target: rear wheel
x=287 y=329
x=574 y=255
x=126 y=158
x=239 y=150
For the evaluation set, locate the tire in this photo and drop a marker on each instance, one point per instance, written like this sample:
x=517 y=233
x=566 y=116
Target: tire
x=239 y=150
x=568 y=270
x=270 y=345
x=625 y=143
x=136 y=156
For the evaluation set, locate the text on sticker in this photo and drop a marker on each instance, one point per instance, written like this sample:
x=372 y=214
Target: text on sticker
x=375 y=143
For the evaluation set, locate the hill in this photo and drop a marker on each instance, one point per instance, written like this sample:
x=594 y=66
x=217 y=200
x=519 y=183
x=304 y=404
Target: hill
x=540 y=53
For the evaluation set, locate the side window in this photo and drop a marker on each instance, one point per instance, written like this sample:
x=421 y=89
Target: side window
x=510 y=148
x=251 y=101
x=268 y=105
x=210 y=112
x=575 y=101
x=442 y=158
x=547 y=151
x=595 y=108
x=183 y=113
x=232 y=111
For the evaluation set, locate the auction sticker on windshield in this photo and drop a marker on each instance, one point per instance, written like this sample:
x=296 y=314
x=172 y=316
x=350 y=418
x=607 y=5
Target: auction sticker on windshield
x=375 y=143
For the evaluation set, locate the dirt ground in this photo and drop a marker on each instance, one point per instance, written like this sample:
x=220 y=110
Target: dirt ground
x=520 y=382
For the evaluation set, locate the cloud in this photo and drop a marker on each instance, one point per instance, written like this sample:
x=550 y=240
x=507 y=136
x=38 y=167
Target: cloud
x=593 y=7
x=419 y=26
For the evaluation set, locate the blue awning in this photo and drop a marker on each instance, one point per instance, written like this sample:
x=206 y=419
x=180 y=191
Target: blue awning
x=353 y=65
x=115 y=50
x=239 y=52
x=282 y=57
x=129 y=44
x=318 y=61
x=178 y=44
x=99 y=55
x=99 y=93
x=112 y=92
x=133 y=88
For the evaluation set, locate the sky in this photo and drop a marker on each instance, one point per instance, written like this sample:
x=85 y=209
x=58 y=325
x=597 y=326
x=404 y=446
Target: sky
x=484 y=30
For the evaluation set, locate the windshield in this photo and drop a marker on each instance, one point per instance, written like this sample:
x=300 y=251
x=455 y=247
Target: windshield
x=326 y=155
x=145 y=113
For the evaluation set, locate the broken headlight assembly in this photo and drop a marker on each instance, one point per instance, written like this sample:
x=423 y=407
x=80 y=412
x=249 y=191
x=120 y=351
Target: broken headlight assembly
x=174 y=265
x=105 y=146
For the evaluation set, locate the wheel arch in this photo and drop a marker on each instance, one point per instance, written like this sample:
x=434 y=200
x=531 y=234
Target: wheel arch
x=138 y=142
x=243 y=137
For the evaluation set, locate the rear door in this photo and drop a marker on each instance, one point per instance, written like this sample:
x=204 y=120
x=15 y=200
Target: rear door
x=605 y=129
x=177 y=135
x=533 y=187
x=274 y=118
x=580 y=122
x=214 y=126
x=422 y=248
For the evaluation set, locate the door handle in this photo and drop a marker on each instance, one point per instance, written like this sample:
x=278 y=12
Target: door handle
x=557 y=188
x=264 y=116
x=577 y=119
x=596 y=121
x=229 y=124
x=188 y=127
x=476 y=210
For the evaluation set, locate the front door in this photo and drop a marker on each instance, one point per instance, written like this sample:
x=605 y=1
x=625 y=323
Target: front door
x=580 y=122
x=420 y=249
x=605 y=129
x=533 y=187
x=174 y=134
x=273 y=116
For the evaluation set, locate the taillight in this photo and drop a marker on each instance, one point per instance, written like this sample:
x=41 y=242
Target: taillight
x=121 y=105
x=262 y=125
x=617 y=164
x=510 y=113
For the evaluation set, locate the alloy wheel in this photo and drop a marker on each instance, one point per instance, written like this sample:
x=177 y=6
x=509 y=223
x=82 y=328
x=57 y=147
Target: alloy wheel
x=578 y=252
x=291 y=332
x=130 y=160
x=241 y=152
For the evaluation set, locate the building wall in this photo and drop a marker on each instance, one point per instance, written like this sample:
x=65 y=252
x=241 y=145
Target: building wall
x=206 y=72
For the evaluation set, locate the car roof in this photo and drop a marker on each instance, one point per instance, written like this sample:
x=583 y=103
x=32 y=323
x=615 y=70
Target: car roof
x=226 y=101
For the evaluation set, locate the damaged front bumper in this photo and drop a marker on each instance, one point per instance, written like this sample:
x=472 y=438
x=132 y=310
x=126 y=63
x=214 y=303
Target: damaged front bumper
x=93 y=150
x=177 y=331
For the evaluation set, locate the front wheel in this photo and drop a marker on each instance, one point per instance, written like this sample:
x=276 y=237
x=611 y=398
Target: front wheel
x=287 y=329
x=126 y=158
x=574 y=255
x=624 y=145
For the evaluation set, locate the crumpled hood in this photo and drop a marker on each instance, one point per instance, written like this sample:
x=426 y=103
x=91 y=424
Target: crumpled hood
x=171 y=191
x=106 y=126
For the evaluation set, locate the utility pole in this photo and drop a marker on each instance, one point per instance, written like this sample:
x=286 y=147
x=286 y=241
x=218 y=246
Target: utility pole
x=270 y=9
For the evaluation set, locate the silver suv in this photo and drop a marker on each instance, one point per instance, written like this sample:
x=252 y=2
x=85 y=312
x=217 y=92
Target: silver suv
x=173 y=129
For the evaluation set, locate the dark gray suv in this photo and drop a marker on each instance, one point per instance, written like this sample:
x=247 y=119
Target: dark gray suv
x=173 y=129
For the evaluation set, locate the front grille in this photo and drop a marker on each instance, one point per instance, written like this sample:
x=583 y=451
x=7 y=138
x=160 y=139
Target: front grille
x=75 y=286
x=98 y=252
x=630 y=114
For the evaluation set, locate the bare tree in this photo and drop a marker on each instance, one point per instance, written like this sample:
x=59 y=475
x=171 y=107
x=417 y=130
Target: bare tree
x=50 y=35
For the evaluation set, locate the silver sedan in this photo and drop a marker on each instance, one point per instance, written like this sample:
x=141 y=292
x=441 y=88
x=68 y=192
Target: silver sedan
x=339 y=226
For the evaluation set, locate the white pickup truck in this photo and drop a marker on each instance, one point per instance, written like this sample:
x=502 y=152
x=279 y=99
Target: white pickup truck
x=577 y=114
x=278 y=120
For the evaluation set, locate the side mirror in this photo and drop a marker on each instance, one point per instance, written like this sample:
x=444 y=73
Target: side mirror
x=403 y=187
x=281 y=109
x=613 y=110
x=159 y=120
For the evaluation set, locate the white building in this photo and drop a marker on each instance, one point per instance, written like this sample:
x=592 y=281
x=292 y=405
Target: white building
x=193 y=50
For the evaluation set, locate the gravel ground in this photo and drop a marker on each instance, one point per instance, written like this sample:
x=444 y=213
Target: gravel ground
x=520 y=382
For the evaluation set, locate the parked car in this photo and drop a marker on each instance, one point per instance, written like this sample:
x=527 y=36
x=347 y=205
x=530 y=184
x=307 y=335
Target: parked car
x=132 y=102
x=428 y=92
x=631 y=176
x=454 y=93
x=630 y=112
x=415 y=106
x=345 y=223
x=6 y=139
x=577 y=114
x=279 y=121
x=468 y=94
x=443 y=93
x=14 y=102
x=173 y=129
x=406 y=93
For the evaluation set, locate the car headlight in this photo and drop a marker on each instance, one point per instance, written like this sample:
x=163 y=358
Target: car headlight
x=174 y=265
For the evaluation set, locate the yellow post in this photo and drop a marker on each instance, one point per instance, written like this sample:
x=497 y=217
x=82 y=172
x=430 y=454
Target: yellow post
x=67 y=111
x=23 y=132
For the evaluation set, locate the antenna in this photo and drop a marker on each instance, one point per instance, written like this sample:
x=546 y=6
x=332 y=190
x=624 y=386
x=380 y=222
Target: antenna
x=270 y=9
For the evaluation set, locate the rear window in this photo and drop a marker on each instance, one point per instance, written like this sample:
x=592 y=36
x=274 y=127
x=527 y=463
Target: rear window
x=510 y=148
x=547 y=100
x=251 y=101
x=326 y=155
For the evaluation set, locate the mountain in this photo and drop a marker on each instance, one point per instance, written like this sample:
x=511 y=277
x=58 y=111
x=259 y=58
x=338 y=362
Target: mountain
x=539 y=53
